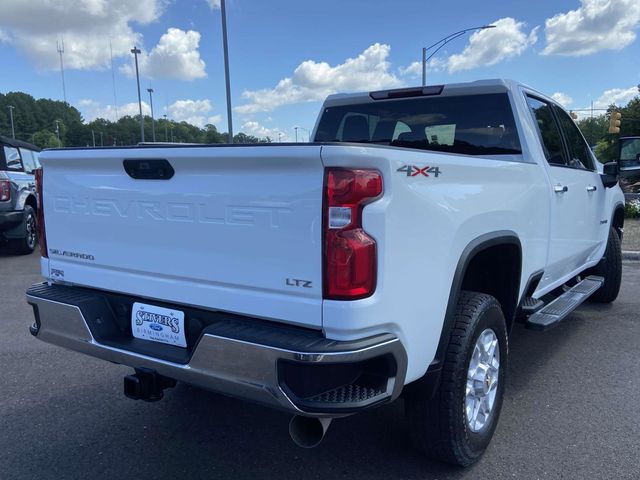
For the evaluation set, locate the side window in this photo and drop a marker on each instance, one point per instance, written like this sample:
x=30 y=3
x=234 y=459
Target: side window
x=12 y=157
x=28 y=160
x=549 y=132
x=580 y=155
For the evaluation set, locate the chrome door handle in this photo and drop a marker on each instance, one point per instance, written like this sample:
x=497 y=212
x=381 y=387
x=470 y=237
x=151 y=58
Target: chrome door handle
x=591 y=188
x=560 y=188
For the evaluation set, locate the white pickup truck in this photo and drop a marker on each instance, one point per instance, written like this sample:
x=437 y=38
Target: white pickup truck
x=390 y=256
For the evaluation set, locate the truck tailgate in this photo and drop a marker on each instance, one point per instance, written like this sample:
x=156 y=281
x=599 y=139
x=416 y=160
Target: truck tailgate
x=235 y=228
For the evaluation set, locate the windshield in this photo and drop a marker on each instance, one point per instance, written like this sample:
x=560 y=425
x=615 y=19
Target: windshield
x=466 y=124
x=629 y=152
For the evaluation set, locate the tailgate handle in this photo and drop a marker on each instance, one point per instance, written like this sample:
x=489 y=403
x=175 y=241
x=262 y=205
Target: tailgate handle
x=148 y=169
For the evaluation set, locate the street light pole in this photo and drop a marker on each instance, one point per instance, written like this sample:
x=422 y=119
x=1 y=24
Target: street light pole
x=306 y=130
x=58 y=133
x=166 y=134
x=153 y=127
x=441 y=43
x=135 y=50
x=225 y=45
x=13 y=131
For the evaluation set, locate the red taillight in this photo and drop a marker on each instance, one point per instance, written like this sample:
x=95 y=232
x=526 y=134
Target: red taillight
x=5 y=190
x=42 y=234
x=349 y=252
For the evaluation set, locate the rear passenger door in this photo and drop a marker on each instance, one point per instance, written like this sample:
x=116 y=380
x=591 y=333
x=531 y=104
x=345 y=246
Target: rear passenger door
x=571 y=240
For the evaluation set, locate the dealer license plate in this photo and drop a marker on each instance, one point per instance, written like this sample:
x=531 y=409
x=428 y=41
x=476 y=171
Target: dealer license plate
x=158 y=324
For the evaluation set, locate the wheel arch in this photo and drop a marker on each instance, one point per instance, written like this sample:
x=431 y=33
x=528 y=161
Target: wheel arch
x=475 y=255
x=32 y=202
x=505 y=249
x=617 y=219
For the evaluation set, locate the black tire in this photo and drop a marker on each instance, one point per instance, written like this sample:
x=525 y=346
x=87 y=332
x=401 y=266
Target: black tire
x=27 y=244
x=610 y=268
x=439 y=422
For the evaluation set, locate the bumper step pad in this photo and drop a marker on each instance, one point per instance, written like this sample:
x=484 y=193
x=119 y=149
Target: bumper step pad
x=566 y=303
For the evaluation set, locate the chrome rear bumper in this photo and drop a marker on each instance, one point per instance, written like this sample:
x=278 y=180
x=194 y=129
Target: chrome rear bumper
x=257 y=363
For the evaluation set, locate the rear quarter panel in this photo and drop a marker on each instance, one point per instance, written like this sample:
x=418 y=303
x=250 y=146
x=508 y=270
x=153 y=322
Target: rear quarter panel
x=422 y=225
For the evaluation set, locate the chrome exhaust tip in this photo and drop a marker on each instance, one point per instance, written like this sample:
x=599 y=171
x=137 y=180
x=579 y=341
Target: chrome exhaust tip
x=308 y=432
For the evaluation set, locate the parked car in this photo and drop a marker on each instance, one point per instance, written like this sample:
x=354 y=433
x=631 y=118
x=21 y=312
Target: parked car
x=18 y=201
x=390 y=256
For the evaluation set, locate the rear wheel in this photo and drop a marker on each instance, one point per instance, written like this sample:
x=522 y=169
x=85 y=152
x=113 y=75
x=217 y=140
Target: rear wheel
x=27 y=243
x=456 y=424
x=610 y=268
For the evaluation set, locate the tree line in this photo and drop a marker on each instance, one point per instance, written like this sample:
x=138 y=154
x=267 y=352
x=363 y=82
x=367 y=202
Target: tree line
x=51 y=123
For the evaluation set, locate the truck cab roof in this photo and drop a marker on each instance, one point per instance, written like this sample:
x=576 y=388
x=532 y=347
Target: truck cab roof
x=449 y=89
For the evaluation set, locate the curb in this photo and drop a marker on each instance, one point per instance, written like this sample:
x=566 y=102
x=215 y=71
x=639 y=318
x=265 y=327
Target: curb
x=630 y=255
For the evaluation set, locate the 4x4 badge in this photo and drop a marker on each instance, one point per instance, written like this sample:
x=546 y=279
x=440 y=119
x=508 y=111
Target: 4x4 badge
x=414 y=171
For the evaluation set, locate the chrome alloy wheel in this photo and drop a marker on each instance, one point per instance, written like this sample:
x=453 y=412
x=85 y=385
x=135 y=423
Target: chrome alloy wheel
x=482 y=381
x=31 y=231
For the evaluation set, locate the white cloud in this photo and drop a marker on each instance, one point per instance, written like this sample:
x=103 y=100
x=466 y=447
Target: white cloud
x=176 y=56
x=487 y=47
x=214 y=4
x=34 y=26
x=313 y=81
x=436 y=64
x=257 y=130
x=91 y=110
x=613 y=96
x=617 y=96
x=596 y=25
x=562 y=98
x=195 y=112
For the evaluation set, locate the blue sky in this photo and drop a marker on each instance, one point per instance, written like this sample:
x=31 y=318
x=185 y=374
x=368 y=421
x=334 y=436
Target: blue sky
x=286 y=55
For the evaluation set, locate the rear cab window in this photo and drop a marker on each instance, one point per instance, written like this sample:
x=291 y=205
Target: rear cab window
x=479 y=124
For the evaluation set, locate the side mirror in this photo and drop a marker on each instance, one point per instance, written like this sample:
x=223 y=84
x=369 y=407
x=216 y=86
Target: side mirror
x=610 y=174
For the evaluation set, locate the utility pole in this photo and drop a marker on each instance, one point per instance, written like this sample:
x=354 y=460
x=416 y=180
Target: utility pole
x=296 y=129
x=101 y=142
x=135 y=50
x=13 y=131
x=60 y=48
x=279 y=137
x=166 y=134
x=93 y=138
x=113 y=80
x=223 y=13
x=153 y=127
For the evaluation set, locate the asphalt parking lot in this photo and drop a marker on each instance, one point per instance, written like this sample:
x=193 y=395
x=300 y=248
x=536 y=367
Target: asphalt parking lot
x=571 y=411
